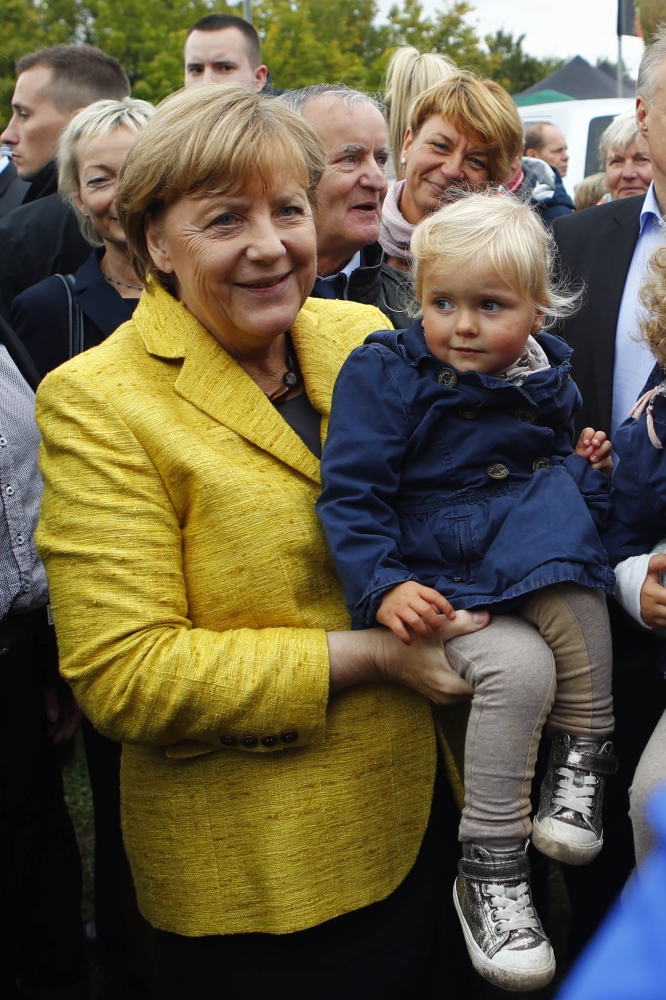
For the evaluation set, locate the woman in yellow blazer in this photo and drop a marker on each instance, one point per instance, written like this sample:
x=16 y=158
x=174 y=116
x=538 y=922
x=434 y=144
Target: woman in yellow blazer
x=277 y=769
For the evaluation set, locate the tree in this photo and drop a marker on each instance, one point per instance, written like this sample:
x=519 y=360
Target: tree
x=511 y=67
x=304 y=41
x=651 y=14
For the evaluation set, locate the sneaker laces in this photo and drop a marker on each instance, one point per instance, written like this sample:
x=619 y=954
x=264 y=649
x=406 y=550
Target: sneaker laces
x=579 y=797
x=512 y=906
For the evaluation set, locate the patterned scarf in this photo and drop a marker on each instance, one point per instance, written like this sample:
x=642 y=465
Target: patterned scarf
x=533 y=359
x=395 y=233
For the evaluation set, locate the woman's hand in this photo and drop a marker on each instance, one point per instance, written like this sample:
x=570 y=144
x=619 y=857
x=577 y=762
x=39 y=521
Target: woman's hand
x=596 y=448
x=411 y=604
x=376 y=654
x=653 y=595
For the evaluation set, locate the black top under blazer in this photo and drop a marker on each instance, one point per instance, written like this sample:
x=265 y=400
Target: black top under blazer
x=40 y=315
x=597 y=246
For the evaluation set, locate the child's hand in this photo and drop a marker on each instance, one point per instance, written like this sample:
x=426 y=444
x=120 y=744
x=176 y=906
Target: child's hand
x=411 y=604
x=596 y=448
x=653 y=595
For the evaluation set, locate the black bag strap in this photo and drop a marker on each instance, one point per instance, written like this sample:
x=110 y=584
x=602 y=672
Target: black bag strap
x=19 y=354
x=76 y=323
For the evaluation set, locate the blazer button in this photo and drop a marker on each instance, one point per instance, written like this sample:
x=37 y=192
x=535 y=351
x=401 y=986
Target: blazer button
x=269 y=741
x=448 y=378
x=290 y=736
x=229 y=741
x=542 y=463
x=468 y=414
x=249 y=742
x=525 y=414
x=498 y=470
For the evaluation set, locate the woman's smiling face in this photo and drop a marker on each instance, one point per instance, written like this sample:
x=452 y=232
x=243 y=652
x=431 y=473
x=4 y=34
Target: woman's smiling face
x=243 y=261
x=439 y=157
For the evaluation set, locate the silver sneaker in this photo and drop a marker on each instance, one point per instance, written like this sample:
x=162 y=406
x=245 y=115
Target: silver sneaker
x=568 y=826
x=504 y=937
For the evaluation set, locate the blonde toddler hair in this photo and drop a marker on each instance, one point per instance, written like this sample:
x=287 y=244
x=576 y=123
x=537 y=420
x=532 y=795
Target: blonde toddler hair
x=652 y=296
x=504 y=231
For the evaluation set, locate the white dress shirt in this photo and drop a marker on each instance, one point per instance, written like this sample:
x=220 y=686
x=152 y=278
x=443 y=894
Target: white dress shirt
x=633 y=358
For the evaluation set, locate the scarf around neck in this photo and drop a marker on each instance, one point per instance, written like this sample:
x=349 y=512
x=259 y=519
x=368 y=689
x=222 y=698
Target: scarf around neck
x=395 y=232
x=533 y=359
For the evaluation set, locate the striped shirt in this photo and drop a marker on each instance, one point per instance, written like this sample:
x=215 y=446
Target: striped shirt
x=22 y=575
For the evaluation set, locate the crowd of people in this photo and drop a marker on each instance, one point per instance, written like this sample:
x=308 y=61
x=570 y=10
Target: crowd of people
x=351 y=485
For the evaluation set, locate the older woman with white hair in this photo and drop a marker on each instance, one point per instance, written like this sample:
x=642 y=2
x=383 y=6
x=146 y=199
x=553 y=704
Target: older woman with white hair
x=66 y=314
x=625 y=156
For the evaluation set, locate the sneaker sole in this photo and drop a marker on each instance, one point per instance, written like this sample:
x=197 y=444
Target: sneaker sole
x=570 y=854
x=513 y=980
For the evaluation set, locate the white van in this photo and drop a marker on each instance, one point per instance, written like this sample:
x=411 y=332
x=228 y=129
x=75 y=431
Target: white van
x=582 y=123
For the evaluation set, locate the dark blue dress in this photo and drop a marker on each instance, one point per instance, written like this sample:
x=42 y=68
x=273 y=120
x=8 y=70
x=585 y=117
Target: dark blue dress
x=462 y=481
x=40 y=315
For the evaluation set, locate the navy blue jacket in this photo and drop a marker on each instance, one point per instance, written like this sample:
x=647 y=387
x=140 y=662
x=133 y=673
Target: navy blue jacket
x=638 y=497
x=464 y=482
x=40 y=315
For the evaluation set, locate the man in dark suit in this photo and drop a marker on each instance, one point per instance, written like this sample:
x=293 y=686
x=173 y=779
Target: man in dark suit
x=41 y=237
x=607 y=248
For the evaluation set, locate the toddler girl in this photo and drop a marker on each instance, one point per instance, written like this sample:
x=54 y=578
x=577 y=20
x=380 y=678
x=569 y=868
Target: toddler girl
x=450 y=481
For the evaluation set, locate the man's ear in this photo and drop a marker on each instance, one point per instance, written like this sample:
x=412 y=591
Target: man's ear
x=260 y=75
x=157 y=245
x=642 y=110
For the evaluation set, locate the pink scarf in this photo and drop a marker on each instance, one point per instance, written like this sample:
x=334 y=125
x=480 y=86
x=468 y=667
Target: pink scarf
x=395 y=233
x=533 y=359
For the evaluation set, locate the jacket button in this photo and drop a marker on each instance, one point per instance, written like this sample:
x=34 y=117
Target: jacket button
x=525 y=414
x=249 y=742
x=468 y=414
x=290 y=736
x=448 y=378
x=269 y=741
x=498 y=470
x=542 y=463
x=229 y=741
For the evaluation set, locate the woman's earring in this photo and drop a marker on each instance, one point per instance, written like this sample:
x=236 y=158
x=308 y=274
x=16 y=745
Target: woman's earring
x=403 y=161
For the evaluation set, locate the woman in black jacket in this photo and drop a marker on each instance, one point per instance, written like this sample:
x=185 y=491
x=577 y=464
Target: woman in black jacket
x=66 y=314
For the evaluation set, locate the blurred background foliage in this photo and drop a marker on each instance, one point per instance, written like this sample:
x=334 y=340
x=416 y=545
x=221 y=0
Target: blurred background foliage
x=304 y=41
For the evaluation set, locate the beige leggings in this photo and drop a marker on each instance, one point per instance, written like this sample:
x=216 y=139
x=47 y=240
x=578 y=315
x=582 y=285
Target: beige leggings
x=551 y=661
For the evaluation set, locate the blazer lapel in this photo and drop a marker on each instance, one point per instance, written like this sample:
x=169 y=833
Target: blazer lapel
x=615 y=249
x=212 y=381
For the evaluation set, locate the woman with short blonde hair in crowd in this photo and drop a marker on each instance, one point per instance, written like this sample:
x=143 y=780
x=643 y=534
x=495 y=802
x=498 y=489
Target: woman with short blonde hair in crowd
x=461 y=133
x=278 y=769
x=66 y=314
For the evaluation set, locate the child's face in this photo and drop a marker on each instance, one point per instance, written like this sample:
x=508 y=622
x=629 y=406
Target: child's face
x=473 y=321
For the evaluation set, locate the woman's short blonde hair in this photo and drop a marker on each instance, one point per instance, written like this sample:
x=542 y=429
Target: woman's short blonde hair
x=408 y=74
x=475 y=107
x=620 y=134
x=207 y=140
x=98 y=119
x=502 y=230
x=652 y=296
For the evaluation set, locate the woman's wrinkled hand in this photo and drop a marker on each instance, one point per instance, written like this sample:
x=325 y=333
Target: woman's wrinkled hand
x=424 y=666
x=653 y=595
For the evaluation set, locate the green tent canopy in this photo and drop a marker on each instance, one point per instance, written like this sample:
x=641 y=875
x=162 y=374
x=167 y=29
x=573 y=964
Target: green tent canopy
x=541 y=97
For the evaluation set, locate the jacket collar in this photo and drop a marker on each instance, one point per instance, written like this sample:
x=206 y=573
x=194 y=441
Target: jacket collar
x=97 y=298
x=410 y=344
x=43 y=184
x=213 y=382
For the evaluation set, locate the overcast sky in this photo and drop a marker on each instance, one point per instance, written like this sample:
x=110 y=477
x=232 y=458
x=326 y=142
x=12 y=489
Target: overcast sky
x=558 y=28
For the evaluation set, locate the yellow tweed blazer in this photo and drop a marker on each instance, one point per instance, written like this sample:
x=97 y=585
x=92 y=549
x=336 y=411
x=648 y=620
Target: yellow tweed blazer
x=192 y=591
